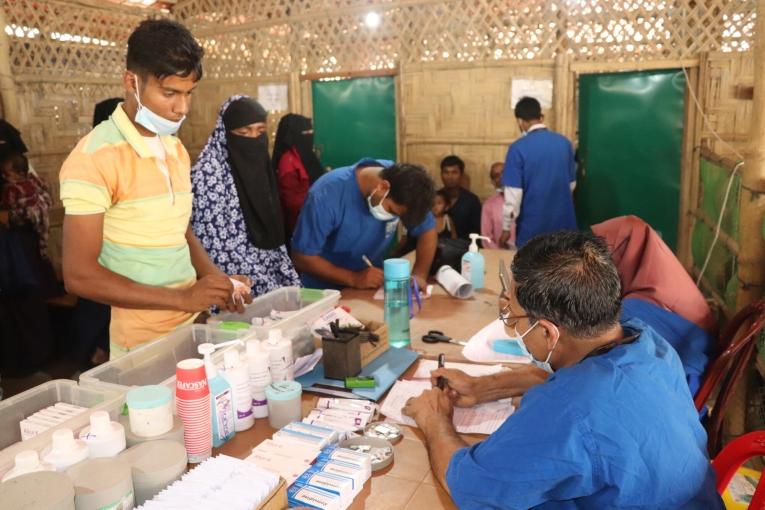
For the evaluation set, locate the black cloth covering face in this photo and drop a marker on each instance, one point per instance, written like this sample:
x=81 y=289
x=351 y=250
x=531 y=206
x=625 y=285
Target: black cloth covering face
x=292 y=133
x=254 y=177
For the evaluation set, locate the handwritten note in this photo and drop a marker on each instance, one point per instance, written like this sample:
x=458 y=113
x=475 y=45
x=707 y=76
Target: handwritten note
x=481 y=419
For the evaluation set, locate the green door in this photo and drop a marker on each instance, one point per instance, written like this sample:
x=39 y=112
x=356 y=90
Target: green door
x=353 y=119
x=630 y=138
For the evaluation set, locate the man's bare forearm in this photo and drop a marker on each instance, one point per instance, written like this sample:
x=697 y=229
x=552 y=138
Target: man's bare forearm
x=442 y=442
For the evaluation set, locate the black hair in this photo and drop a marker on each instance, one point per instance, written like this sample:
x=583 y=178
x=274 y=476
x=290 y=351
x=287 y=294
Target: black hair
x=162 y=48
x=412 y=187
x=569 y=278
x=528 y=108
x=453 y=160
x=19 y=163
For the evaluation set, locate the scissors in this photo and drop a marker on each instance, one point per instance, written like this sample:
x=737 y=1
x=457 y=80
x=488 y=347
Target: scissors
x=434 y=336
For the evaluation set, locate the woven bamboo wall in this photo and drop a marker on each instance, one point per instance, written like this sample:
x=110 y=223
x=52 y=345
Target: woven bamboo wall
x=727 y=100
x=465 y=111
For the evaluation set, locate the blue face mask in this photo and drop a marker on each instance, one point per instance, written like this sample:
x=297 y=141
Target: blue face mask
x=378 y=211
x=517 y=347
x=153 y=122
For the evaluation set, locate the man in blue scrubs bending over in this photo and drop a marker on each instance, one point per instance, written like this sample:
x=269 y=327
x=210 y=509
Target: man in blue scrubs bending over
x=613 y=426
x=352 y=213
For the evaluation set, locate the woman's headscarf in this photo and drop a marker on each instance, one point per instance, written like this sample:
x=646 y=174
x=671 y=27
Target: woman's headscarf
x=10 y=140
x=230 y=159
x=291 y=133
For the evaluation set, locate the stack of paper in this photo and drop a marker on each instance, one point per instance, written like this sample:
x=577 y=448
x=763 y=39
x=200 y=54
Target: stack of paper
x=480 y=419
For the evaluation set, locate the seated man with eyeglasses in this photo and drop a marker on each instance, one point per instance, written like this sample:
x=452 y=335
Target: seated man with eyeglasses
x=613 y=426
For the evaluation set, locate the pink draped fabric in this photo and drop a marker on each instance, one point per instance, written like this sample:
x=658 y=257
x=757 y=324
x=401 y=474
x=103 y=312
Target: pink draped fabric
x=649 y=270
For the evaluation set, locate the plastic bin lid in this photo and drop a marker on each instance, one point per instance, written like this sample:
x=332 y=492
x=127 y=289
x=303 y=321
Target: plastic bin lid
x=148 y=397
x=284 y=390
x=396 y=269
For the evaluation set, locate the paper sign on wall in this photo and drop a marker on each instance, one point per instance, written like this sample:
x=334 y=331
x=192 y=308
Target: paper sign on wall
x=273 y=97
x=541 y=90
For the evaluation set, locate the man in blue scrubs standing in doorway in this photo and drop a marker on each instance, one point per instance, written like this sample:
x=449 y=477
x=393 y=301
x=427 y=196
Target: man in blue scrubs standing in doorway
x=350 y=217
x=612 y=426
x=539 y=178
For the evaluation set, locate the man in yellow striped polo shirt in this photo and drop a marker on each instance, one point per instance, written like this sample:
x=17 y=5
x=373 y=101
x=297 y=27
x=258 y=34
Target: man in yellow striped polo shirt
x=126 y=191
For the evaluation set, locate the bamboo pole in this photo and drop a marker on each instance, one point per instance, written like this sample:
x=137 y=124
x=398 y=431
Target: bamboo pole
x=687 y=173
x=751 y=257
x=560 y=92
x=642 y=65
x=751 y=260
x=8 y=94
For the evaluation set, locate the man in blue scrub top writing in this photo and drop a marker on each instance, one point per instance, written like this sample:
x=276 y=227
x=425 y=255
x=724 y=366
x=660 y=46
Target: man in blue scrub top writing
x=613 y=426
x=352 y=213
x=539 y=178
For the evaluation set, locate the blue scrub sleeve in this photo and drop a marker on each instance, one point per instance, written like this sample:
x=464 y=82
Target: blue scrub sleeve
x=316 y=222
x=428 y=223
x=571 y=164
x=513 y=173
x=537 y=455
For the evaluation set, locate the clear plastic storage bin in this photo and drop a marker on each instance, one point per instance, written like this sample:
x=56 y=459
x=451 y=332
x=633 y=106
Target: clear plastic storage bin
x=308 y=305
x=155 y=362
x=18 y=407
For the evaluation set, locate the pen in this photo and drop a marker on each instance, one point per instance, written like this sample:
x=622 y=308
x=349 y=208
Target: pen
x=441 y=382
x=367 y=261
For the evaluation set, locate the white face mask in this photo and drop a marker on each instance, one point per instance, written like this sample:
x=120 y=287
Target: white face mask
x=153 y=122
x=378 y=211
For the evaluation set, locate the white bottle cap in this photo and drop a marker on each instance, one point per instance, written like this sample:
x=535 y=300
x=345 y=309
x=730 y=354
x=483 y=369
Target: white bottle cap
x=26 y=460
x=230 y=358
x=62 y=441
x=253 y=348
x=274 y=336
x=100 y=424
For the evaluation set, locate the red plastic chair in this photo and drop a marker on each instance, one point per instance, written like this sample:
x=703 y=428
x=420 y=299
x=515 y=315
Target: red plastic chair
x=730 y=366
x=733 y=455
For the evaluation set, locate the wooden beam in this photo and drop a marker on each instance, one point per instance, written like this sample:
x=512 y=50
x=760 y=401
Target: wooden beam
x=642 y=65
x=731 y=243
x=687 y=173
x=342 y=75
x=8 y=94
x=457 y=141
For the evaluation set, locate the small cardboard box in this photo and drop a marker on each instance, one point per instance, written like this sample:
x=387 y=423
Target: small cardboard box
x=277 y=500
x=368 y=351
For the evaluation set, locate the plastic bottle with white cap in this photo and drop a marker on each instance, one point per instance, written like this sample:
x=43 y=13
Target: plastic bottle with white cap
x=280 y=357
x=260 y=377
x=221 y=399
x=65 y=450
x=27 y=462
x=105 y=438
x=236 y=374
x=473 y=262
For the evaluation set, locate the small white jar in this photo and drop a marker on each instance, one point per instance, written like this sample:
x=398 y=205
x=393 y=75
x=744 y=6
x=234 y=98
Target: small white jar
x=150 y=410
x=284 y=404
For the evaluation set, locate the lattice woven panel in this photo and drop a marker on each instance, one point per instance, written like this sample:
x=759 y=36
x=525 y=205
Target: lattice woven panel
x=729 y=114
x=330 y=35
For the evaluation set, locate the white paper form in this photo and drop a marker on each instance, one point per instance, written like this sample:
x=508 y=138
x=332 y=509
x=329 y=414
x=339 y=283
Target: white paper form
x=426 y=366
x=480 y=419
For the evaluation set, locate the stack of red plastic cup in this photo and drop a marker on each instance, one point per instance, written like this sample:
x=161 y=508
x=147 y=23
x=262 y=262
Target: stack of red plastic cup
x=192 y=400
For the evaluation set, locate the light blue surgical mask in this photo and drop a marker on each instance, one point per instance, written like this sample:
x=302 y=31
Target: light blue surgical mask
x=516 y=346
x=378 y=211
x=153 y=122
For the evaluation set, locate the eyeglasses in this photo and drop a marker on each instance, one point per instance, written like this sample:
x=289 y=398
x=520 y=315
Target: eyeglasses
x=509 y=319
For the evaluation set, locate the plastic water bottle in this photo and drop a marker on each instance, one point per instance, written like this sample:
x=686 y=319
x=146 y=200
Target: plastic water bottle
x=397 y=274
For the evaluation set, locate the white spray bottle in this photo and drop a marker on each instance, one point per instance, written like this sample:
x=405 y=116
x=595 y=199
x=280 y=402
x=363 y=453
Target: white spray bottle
x=473 y=263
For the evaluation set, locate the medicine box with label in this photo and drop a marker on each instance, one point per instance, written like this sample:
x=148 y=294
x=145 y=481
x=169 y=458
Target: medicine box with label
x=313 y=497
x=301 y=437
x=337 y=484
x=359 y=459
x=346 y=403
x=294 y=451
x=353 y=471
x=328 y=434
